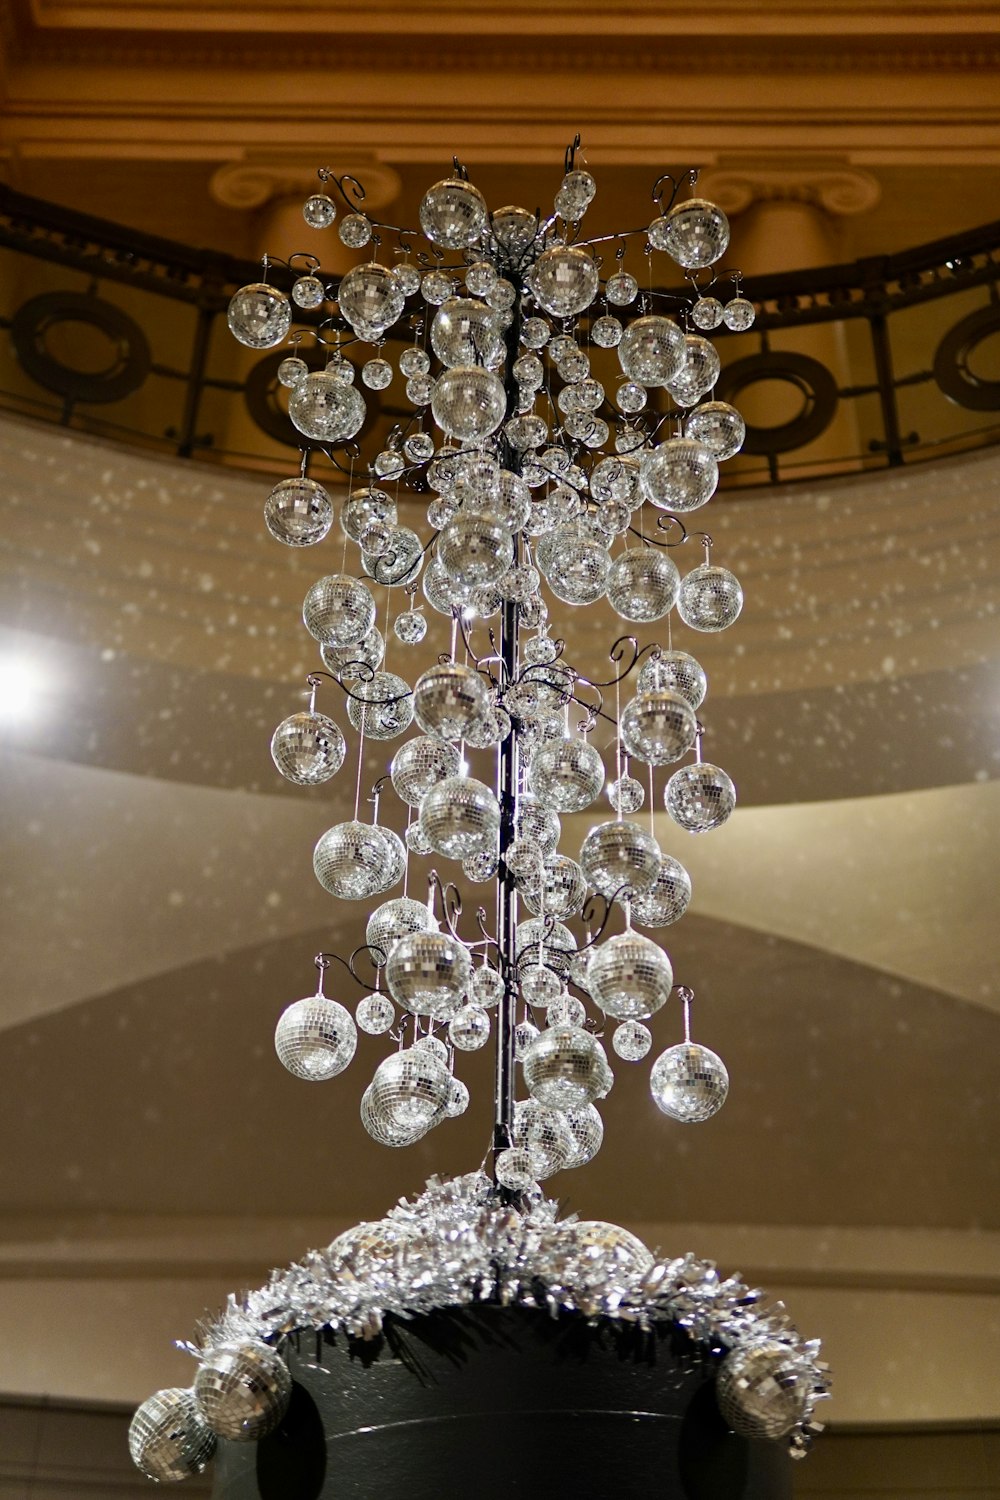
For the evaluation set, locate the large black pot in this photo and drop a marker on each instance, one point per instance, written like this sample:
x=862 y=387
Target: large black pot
x=488 y=1402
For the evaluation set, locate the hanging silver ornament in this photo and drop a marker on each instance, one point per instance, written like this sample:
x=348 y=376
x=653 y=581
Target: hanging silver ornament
x=428 y=973
x=308 y=748
x=629 y=976
x=566 y=1067
x=689 y=1083
x=762 y=1389
x=168 y=1438
x=242 y=1389
x=667 y=898
x=700 y=797
x=315 y=1038
x=619 y=858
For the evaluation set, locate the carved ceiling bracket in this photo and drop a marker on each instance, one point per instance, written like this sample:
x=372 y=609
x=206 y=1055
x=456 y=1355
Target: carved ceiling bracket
x=839 y=190
x=253 y=181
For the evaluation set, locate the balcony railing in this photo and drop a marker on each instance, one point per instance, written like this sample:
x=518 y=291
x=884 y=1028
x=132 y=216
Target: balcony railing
x=121 y=334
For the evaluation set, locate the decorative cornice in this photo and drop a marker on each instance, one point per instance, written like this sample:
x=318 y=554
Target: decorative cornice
x=840 y=190
x=255 y=180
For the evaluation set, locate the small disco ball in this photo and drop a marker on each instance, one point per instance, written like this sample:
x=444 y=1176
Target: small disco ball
x=479 y=868
x=593 y=1251
x=290 y=372
x=409 y=1091
x=469 y=1029
x=700 y=797
x=576 y=564
x=458 y=1099
x=567 y=774
x=574 y=196
x=667 y=898
x=392 y=920
x=326 y=408
x=448 y=698
x=319 y=211
x=468 y=402
x=480 y=277
x=363 y=508
x=338 y=610
x=738 y=314
x=566 y=1067
x=465 y=331
x=376 y=374
x=621 y=289
x=587 y=1129
x=492 y=729
x=689 y=1083
x=410 y=627
x=706 y=313
x=658 y=727
x=540 y=985
x=545 y=1135
x=620 y=859
x=428 y=973
x=651 y=350
x=694 y=232
x=762 y=1389
x=625 y=794
x=416 y=840
x=674 y=672
x=629 y=976
x=243 y=1389
x=461 y=817
x=515 y=1169
x=474 y=550
x=433 y=1044
x=718 y=427
x=514 y=229
x=565 y=280
x=541 y=937
x=355 y=231
x=400 y=559
x=167 y=1438
x=525 y=1033
x=298 y=512
x=352 y=860
x=308 y=748
x=486 y=987
x=415 y=361
x=420 y=764
x=381 y=1129
x=606 y=332
x=259 y=316
x=615 y=479
x=556 y=887
x=315 y=1038
x=355 y=663
x=374 y=1014
x=643 y=584
x=710 y=598
x=680 y=475
x=699 y=372
x=453 y=214
x=382 y=706
x=307 y=291
x=369 y=298
x=632 y=1040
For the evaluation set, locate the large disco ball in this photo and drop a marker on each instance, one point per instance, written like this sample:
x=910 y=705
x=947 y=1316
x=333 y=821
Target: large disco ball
x=565 y=280
x=370 y=299
x=675 y=672
x=700 y=797
x=468 y=402
x=762 y=1389
x=651 y=350
x=658 y=727
x=619 y=858
x=643 y=584
x=168 y=1438
x=419 y=764
x=352 y=860
x=298 y=512
x=428 y=973
x=308 y=748
x=461 y=817
x=466 y=332
x=565 y=1067
x=326 y=409
x=555 y=886
x=680 y=475
x=575 y=563
x=567 y=774
x=243 y=1389
x=718 y=426
x=409 y=1092
x=667 y=898
x=381 y=706
x=695 y=233
x=449 y=699
x=259 y=315
x=689 y=1083
x=629 y=976
x=392 y=920
x=315 y=1038
x=710 y=598
x=338 y=610
x=475 y=550
x=453 y=214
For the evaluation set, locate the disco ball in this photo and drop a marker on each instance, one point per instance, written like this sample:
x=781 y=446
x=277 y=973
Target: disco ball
x=458 y=1099
x=474 y=550
x=565 y=280
x=382 y=706
x=369 y=297
x=667 y=898
x=461 y=817
x=486 y=988
x=308 y=748
x=515 y=1169
x=545 y=1135
x=566 y=1067
x=632 y=1040
x=629 y=976
x=453 y=214
x=626 y=794
x=380 y=1127
x=619 y=858
x=468 y=402
x=616 y=479
x=298 y=512
x=315 y=1038
x=592 y=1249
x=352 y=860
x=556 y=887
x=540 y=985
x=710 y=598
x=338 y=610
x=465 y=331
x=762 y=1389
x=643 y=584
x=587 y=1129
x=695 y=232
x=698 y=373
x=575 y=194
x=365 y=508
x=374 y=1014
x=739 y=314
x=167 y=1438
x=355 y=663
x=325 y=408
x=409 y=1092
x=448 y=698
x=567 y=774
x=541 y=937
x=700 y=797
x=576 y=564
x=689 y=1083
x=242 y=1389
x=420 y=764
x=674 y=672
x=392 y=920
x=259 y=316
x=525 y=1033
x=428 y=973
x=651 y=350
x=469 y=1028
x=718 y=427
x=658 y=727
x=410 y=627
x=680 y=475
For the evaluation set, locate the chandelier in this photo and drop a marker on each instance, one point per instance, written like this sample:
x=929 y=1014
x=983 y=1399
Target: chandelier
x=560 y=435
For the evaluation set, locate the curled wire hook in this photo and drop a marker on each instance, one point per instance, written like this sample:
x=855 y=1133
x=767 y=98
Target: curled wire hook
x=353 y=194
x=451 y=901
x=571 y=151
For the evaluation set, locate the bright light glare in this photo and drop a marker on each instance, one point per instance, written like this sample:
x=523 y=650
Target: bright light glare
x=19 y=688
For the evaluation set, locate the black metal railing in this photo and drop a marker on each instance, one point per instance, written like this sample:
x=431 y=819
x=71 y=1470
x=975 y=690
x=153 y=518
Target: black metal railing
x=123 y=334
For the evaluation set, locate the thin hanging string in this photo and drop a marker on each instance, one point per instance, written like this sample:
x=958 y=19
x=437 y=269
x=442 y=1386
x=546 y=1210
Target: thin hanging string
x=686 y=1001
x=406 y=846
x=618 y=745
x=652 y=804
x=361 y=751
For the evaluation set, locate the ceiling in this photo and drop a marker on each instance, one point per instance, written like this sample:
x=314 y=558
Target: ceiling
x=159 y=910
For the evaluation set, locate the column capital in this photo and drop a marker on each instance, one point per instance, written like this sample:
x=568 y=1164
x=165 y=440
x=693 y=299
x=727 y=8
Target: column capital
x=254 y=180
x=837 y=188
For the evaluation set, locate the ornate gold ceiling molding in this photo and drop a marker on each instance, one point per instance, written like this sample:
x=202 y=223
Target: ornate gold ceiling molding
x=840 y=190
x=256 y=180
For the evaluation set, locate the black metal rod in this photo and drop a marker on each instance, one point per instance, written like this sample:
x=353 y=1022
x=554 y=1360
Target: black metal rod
x=195 y=382
x=886 y=388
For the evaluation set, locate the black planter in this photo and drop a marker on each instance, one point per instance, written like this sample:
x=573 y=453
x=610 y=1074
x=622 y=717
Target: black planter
x=490 y=1402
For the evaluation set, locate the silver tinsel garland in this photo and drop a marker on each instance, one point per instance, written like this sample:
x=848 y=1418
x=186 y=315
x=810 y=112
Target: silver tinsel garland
x=456 y=1244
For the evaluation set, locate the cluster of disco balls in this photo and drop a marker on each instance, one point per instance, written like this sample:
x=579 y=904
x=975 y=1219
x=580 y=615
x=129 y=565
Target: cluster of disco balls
x=530 y=475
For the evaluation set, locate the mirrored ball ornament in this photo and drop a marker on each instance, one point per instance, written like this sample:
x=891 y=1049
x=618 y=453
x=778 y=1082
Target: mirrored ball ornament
x=515 y=1169
x=298 y=512
x=468 y=402
x=587 y=1129
x=352 y=860
x=619 y=859
x=376 y=374
x=596 y=1252
x=356 y=662
x=658 y=727
x=674 y=672
x=375 y=1014
x=410 y=627
x=546 y=1136
x=458 y=1099
x=689 y=1083
x=408 y=1094
x=390 y=921
x=319 y=211
x=566 y=774
x=419 y=764
x=469 y=1029
x=308 y=748
x=382 y=706
x=565 y=280
x=486 y=987
x=555 y=886
x=355 y=231
x=700 y=797
x=739 y=314
x=242 y=1389
x=448 y=699
x=259 y=316
x=718 y=426
x=629 y=976
x=461 y=817
x=626 y=794
x=695 y=232
x=338 y=610
x=475 y=550
x=465 y=331
x=632 y=1040
x=667 y=898
x=168 y=1440
x=762 y=1389
x=315 y=1038
x=643 y=584
x=370 y=299
x=710 y=598
x=566 y=1067
x=680 y=475
x=326 y=409
x=651 y=350
x=706 y=313
x=428 y=973
x=453 y=214
x=575 y=194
